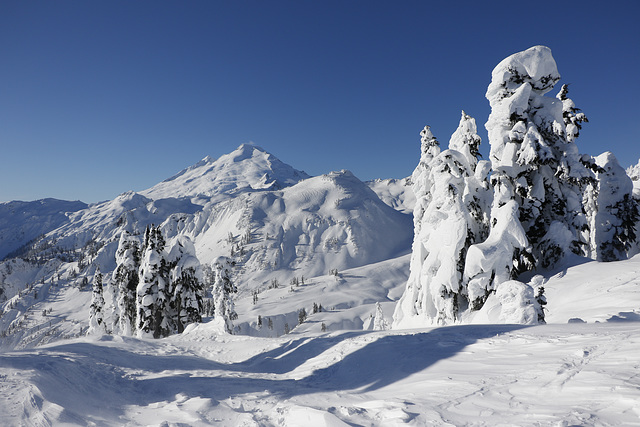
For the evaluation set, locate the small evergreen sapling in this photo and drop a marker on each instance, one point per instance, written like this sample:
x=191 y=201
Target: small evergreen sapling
x=379 y=322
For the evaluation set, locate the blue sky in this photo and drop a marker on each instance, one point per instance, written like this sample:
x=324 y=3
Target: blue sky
x=98 y=98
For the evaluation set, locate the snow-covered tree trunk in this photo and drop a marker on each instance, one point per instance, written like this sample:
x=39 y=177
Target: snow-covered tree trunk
x=96 y=313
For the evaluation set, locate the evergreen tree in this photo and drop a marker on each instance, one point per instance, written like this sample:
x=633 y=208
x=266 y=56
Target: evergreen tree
x=302 y=316
x=535 y=165
x=379 y=322
x=125 y=281
x=96 y=313
x=616 y=212
x=223 y=288
x=413 y=301
x=185 y=301
x=152 y=286
x=573 y=117
x=466 y=140
x=452 y=221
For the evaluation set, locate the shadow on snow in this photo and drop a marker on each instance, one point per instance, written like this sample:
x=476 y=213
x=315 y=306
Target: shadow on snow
x=99 y=381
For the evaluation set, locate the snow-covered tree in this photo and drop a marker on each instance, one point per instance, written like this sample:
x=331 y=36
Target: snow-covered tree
x=466 y=140
x=223 y=288
x=379 y=322
x=420 y=179
x=535 y=163
x=96 y=313
x=613 y=232
x=125 y=281
x=152 y=286
x=411 y=303
x=573 y=117
x=634 y=172
x=185 y=300
x=451 y=222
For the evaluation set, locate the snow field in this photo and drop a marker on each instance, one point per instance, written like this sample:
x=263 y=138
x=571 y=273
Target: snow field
x=572 y=374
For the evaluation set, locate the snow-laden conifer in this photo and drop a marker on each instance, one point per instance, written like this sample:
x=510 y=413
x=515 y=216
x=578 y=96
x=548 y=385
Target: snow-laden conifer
x=411 y=304
x=535 y=164
x=125 y=282
x=634 y=171
x=185 y=300
x=573 y=117
x=379 y=322
x=96 y=313
x=223 y=288
x=613 y=231
x=152 y=286
x=466 y=140
x=451 y=222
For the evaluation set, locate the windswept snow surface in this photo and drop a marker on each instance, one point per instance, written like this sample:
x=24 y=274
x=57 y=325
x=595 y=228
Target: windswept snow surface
x=570 y=374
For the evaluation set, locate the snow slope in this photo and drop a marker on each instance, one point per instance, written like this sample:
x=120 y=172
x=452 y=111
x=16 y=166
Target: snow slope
x=396 y=193
x=273 y=230
x=21 y=222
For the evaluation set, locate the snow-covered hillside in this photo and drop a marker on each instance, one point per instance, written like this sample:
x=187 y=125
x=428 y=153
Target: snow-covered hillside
x=332 y=368
x=21 y=222
x=395 y=193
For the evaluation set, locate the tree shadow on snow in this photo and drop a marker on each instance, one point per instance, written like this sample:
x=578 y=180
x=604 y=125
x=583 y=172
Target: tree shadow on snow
x=292 y=354
x=96 y=383
x=392 y=358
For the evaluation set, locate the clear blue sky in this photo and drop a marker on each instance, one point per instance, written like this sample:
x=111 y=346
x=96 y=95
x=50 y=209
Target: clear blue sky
x=102 y=97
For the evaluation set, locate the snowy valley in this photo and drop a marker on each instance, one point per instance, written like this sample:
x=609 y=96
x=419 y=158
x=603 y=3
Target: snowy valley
x=472 y=293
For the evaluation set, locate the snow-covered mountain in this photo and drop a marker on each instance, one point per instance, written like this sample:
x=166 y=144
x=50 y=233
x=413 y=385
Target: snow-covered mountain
x=272 y=222
x=21 y=222
x=247 y=168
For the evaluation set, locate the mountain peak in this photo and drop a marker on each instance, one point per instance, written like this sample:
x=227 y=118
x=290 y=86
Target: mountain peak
x=247 y=168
